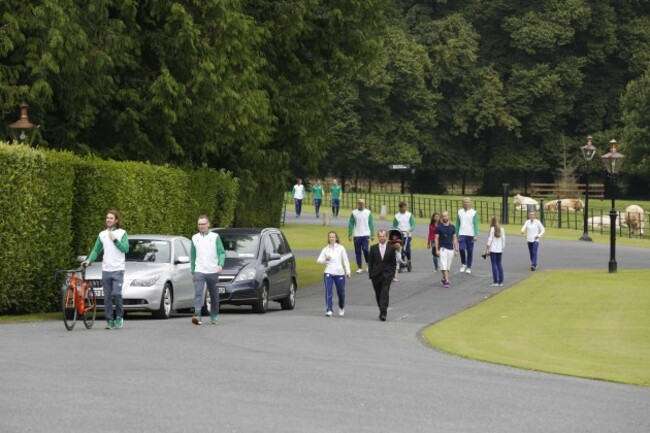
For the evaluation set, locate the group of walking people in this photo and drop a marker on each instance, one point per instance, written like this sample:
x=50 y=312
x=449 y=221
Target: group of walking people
x=298 y=193
x=445 y=240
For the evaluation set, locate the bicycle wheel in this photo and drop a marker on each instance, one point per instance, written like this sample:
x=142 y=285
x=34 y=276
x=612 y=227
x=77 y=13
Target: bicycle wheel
x=90 y=307
x=68 y=307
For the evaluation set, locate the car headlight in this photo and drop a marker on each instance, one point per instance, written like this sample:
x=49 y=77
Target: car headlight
x=248 y=274
x=144 y=282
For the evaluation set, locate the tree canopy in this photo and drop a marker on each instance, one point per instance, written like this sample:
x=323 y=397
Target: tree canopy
x=274 y=89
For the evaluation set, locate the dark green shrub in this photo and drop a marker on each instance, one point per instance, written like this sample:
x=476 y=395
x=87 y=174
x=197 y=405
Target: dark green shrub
x=36 y=189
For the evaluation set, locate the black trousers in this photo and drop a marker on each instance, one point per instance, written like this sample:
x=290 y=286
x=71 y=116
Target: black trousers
x=382 y=287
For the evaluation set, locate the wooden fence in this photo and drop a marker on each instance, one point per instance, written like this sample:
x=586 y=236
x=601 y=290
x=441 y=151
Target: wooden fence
x=555 y=190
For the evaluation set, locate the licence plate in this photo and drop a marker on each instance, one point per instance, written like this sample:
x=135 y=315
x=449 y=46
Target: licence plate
x=222 y=290
x=99 y=292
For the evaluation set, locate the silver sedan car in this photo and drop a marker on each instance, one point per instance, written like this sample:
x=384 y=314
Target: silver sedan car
x=157 y=277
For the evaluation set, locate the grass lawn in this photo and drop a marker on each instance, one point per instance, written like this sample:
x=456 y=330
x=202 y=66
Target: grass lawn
x=589 y=324
x=309 y=272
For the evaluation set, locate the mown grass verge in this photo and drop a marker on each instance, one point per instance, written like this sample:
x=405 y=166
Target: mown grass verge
x=589 y=323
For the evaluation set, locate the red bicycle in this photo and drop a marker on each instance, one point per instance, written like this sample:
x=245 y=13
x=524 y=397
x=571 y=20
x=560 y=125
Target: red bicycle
x=77 y=299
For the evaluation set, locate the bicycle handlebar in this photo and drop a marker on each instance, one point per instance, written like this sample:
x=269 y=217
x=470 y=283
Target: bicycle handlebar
x=80 y=270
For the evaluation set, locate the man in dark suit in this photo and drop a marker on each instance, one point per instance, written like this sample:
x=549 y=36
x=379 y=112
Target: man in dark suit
x=382 y=263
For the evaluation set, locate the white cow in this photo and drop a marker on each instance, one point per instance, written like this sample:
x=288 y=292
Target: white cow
x=604 y=222
x=521 y=202
x=565 y=203
x=634 y=215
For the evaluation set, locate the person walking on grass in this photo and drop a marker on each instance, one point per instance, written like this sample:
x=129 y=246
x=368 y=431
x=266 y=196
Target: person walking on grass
x=317 y=191
x=207 y=257
x=298 y=194
x=404 y=222
x=381 y=270
x=534 y=230
x=467 y=231
x=337 y=268
x=114 y=242
x=446 y=245
x=336 y=195
x=431 y=240
x=360 y=229
x=496 y=244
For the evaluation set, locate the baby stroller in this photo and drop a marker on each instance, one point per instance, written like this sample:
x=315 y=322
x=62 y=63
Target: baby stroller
x=396 y=236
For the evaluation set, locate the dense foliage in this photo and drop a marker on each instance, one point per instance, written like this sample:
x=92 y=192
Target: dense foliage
x=496 y=90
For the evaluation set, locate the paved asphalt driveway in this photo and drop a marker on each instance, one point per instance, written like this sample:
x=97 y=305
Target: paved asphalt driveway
x=298 y=371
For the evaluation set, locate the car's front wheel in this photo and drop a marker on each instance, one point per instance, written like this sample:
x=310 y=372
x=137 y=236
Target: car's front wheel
x=289 y=302
x=263 y=303
x=165 y=309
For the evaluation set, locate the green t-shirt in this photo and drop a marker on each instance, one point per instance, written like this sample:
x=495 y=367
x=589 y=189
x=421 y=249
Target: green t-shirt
x=335 y=190
x=317 y=190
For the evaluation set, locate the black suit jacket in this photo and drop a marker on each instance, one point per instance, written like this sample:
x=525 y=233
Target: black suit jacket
x=382 y=268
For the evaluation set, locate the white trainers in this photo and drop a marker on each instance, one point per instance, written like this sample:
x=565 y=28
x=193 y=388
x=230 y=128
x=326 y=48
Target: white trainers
x=359 y=271
x=329 y=313
x=462 y=268
x=494 y=285
x=341 y=312
x=468 y=270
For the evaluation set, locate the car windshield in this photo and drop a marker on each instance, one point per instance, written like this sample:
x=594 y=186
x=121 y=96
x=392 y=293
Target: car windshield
x=148 y=250
x=238 y=245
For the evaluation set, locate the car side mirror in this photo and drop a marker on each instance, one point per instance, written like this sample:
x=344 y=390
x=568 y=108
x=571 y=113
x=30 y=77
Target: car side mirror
x=182 y=259
x=275 y=256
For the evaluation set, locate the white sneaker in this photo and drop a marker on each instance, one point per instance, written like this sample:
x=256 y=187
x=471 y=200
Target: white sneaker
x=341 y=312
x=500 y=284
x=468 y=270
x=462 y=268
x=494 y=285
x=328 y=314
x=359 y=271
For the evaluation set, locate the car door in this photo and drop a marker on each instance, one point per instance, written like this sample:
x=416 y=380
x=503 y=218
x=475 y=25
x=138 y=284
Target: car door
x=183 y=286
x=284 y=265
x=271 y=266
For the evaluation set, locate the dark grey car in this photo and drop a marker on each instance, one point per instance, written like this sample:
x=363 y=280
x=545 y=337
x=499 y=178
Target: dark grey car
x=259 y=268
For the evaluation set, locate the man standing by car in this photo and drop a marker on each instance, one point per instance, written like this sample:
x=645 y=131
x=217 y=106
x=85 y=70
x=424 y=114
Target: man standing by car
x=207 y=257
x=361 y=228
x=114 y=242
x=381 y=269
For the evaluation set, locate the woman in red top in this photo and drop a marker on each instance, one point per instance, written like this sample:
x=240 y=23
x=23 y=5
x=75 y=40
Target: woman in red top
x=435 y=220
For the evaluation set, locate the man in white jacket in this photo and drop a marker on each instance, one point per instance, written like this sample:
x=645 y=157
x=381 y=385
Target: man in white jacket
x=207 y=257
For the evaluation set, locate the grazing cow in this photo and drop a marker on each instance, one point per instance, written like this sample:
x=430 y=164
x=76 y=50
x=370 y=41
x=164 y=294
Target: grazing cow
x=634 y=215
x=521 y=202
x=604 y=222
x=566 y=203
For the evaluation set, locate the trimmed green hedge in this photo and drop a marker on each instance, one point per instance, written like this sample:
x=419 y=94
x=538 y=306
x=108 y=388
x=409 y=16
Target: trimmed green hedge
x=35 y=232
x=53 y=206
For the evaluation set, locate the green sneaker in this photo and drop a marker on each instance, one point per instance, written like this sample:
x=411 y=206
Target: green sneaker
x=110 y=324
x=119 y=322
x=213 y=320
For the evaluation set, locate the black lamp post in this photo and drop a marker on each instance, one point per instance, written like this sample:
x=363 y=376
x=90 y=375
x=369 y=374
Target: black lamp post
x=588 y=152
x=22 y=130
x=613 y=161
